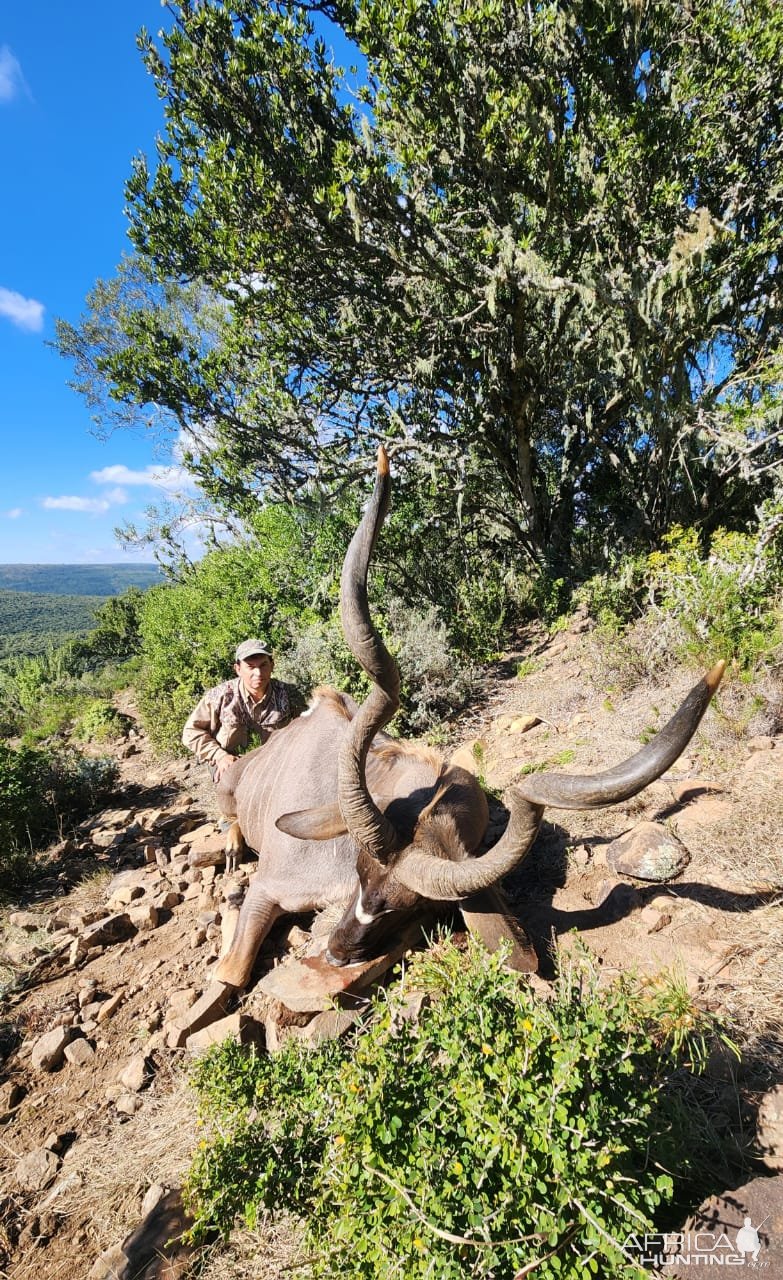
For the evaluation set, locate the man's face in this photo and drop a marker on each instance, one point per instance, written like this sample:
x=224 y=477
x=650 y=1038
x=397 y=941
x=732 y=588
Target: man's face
x=255 y=674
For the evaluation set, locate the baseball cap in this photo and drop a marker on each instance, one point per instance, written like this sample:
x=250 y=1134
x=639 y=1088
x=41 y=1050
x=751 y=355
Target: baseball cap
x=249 y=648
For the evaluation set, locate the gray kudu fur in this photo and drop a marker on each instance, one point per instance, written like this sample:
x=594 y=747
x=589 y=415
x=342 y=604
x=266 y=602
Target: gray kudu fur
x=339 y=812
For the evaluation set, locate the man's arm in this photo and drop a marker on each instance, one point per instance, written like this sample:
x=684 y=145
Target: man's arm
x=199 y=737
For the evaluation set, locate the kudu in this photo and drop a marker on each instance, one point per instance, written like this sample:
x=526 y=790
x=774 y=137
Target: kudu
x=339 y=812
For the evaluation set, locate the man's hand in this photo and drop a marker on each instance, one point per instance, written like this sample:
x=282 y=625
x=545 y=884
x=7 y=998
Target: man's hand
x=225 y=762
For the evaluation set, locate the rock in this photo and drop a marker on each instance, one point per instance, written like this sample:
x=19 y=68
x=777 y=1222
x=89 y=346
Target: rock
x=27 y=920
x=761 y=743
x=685 y=790
x=162 y=858
x=198 y=936
x=136 y=1073
x=521 y=724
x=79 y=1052
x=733 y=1226
x=470 y=756
x=127 y=1104
x=104 y=933
x=181 y=1000
x=144 y=918
x=11 y=1094
x=311 y=984
x=237 y=1026
x=649 y=852
x=208 y=852
x=703 y=811
x=110 y=1006
x=192 y=892
x=616 y=899
x=48 y=1050
x=37 y=1170
x=769 y=1130
x=329 y=1025
x=168 y=900
x=228 y=924
x=212 y=1006
x=206 y=830
x=123 y=896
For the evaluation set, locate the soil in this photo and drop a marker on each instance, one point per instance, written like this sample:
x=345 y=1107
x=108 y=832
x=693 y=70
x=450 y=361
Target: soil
x=717 y=925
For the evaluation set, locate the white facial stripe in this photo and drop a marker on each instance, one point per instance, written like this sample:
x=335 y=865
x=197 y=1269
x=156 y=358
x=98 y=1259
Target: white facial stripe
x=361 y=915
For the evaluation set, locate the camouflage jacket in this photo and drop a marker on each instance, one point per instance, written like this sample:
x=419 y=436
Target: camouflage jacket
x=225 y=718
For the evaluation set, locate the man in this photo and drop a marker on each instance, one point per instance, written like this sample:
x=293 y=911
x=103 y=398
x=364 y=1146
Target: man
x=253 y=703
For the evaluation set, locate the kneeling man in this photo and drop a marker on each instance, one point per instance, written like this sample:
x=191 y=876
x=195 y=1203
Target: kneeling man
x=251 y=705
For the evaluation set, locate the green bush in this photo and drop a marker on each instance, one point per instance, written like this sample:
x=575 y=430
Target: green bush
x=727 y=602
x=492 y=1130
x=99 y=722
x=42 y=793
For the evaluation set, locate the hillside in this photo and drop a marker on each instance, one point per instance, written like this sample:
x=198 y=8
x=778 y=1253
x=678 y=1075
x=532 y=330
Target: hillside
x=77 y=579
x=30 y=621
x=119 y=998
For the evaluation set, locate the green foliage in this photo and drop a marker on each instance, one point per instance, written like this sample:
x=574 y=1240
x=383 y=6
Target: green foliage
x=528 y=667
x=728 y=602
x=29 y=623
x=99 y=722
x=492 y=1130
x=515 y=249
x=41 y=794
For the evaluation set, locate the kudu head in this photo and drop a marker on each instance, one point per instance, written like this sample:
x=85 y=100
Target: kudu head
x=401 y=862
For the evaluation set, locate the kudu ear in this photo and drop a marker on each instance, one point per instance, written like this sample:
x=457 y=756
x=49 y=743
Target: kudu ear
x=322 y=823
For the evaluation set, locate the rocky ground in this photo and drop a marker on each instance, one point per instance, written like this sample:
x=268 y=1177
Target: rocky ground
x=107 y=970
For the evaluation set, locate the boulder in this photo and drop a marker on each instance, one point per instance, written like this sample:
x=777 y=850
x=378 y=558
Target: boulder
x=48 y=1050
x=37 y=1170
x=136 y=1073
x=212 y=1006
x=649 y=852
x=79 y=1052
x=237 y=1026
x=27 y=920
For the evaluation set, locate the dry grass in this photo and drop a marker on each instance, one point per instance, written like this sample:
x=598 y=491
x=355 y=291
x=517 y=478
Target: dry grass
x=104 y=1176
x=273 y=1251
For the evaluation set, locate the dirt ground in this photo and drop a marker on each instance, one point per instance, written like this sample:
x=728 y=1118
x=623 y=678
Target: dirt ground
x=718 y=924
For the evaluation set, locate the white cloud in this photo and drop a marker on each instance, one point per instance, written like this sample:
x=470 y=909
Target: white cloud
x=25 y=313
x=93 y=506
x=12 y=81
x=117 y=497
x=170 y=479
x=14 y=513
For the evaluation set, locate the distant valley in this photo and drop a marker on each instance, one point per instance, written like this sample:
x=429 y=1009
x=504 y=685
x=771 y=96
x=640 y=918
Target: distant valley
x=43 y=604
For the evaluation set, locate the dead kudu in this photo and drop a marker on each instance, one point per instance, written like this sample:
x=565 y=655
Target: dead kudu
x=339 y=812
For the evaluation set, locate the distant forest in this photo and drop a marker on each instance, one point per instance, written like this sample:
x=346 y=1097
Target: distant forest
x=77 y=579
x=30 y=622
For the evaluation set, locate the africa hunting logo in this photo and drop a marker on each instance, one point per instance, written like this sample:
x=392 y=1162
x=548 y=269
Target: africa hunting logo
x=698 y=1248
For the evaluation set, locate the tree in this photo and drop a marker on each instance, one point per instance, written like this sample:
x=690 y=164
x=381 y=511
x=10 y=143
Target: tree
x=536 y=246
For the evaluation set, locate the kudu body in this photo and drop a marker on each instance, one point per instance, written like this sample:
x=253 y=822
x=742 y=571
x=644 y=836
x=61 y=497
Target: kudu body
x=340 y=813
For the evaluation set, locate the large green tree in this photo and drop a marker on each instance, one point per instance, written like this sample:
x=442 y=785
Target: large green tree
x=536 y=245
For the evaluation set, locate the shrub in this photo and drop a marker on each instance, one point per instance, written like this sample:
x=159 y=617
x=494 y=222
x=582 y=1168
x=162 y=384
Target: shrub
x=728 y=602
x=41 y=794
x=100 y=721
x=492 y=1130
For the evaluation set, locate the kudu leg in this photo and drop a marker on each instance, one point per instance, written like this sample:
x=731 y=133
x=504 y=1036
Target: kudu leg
x=256 y=917
x=488 y=915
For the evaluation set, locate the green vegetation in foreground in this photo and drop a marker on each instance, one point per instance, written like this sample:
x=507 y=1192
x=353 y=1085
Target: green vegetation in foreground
x=492 y=1130
x=31 y=622
x=77 y=579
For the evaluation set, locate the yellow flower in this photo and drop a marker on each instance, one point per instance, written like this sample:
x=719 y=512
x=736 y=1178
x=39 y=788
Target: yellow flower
x=527 y=1025
x=457 y=1167
x=339 y=1140
x=418 y=1243
x=485 y=1049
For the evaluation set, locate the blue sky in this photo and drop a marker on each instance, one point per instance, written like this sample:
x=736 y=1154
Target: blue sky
x=75 y=105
